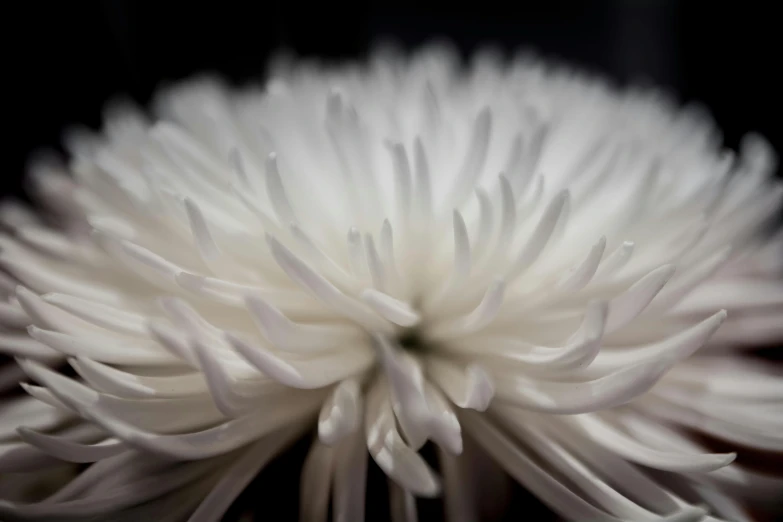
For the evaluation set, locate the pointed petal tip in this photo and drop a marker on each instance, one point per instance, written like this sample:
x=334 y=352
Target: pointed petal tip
x=267 y=363
x=481 y=388
x=27 y=298
x=665 y=272
x=394 y=310
x=729 y=458
x=35 y=332
x=340 y=416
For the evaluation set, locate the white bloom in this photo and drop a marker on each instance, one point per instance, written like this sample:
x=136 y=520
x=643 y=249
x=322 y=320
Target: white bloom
x=397 y=253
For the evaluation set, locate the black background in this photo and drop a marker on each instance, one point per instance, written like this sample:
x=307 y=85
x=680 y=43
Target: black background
x=65 y=59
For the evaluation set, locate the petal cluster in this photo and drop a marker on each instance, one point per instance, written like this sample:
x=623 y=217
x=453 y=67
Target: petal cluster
x=511 y=261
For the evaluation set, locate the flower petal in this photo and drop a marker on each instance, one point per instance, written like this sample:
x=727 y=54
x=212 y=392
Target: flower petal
x=390 y=452
x=316 y=483
x=612 y=390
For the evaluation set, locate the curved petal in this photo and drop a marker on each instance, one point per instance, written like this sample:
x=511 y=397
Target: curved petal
x=71 y=451
x=340 y=412
x=316 y=372
x=124 y=384
x=284 y=334
x=615 y=440
x=390 y=452
x=225 y=437
x=612 y=390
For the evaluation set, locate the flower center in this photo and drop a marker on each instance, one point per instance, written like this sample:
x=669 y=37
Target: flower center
x=410 y=339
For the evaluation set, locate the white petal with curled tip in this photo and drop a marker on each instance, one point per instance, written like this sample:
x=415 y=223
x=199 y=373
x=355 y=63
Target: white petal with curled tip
x=125 y=384
x=284 y=334
x=104 y=349
x=623 y=444
x=202 y=444
x=311 y=373
x=390 y=452
x=340 y=412
x=624 y=308
x=323 y=289
x=398 y=312
x=71 y=451
x=612 y=390
x=675 y=348
x=471 y=387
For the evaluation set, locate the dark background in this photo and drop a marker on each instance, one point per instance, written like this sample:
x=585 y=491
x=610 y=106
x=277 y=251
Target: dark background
x=65 y=59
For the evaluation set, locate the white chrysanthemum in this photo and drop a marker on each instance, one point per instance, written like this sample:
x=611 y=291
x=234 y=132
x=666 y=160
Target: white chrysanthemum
x=397 y=253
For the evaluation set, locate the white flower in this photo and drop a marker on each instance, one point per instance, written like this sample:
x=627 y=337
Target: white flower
x=400 y=252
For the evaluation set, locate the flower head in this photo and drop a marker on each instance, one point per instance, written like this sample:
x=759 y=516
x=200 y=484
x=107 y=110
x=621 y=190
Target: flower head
x=399 y=252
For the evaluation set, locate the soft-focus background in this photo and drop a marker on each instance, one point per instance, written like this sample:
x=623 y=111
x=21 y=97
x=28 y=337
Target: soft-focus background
x=63 y=60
